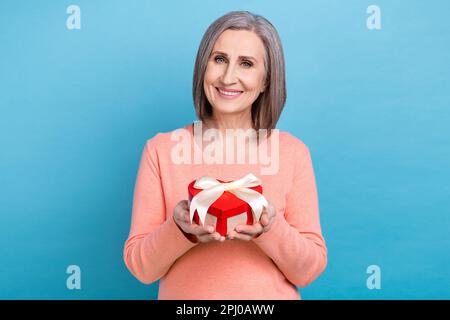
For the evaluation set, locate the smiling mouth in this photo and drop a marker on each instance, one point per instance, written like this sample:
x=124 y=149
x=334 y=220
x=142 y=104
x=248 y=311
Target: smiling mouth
x=228 y=93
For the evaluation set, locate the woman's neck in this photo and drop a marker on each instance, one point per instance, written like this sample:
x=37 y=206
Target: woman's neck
x=228 y=122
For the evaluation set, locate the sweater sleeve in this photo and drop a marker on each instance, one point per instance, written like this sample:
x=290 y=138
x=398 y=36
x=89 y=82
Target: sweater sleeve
x=154 y=242
x=295 y=241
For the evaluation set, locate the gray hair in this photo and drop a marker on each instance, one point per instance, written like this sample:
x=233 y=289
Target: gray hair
x=267 y=108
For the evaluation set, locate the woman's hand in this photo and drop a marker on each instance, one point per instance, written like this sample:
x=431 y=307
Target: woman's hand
x=193 y=231
x=248 y=232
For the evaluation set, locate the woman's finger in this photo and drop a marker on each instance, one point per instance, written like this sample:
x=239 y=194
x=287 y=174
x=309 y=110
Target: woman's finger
x=209 y=237
x=264 y=219
x=184 y=216
x=199 y=230
x=249 y=229
x=239 y=236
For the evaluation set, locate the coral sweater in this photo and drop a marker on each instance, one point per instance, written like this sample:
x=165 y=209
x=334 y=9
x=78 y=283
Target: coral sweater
x=291 y=254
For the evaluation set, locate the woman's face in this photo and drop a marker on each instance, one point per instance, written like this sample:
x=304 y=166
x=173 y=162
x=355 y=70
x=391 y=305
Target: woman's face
x=235 y=72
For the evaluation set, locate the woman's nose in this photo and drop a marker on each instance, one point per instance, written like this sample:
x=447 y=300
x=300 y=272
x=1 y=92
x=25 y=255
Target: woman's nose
x=229 y=76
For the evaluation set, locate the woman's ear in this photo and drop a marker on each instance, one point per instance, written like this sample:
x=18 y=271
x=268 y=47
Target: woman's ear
x=264 y=86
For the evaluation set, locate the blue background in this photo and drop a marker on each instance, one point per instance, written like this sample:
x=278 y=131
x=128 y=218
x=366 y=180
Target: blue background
x=78 y=105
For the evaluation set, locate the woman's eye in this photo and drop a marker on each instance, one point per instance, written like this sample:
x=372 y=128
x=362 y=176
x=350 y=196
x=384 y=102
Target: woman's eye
x=218 y=58
x=246 y=64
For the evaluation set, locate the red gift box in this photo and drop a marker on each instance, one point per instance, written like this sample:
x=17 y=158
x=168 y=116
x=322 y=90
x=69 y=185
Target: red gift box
x=227 y=211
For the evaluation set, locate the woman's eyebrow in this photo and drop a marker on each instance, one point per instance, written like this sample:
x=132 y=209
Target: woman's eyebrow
x=240 y=57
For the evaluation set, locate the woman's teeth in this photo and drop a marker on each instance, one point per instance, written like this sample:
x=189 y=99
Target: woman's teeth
x=229 y=93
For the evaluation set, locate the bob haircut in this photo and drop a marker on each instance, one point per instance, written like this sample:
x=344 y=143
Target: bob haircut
x=266 y=109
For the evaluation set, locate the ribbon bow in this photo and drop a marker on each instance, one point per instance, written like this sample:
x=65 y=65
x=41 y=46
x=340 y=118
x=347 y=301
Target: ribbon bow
x=213 y=190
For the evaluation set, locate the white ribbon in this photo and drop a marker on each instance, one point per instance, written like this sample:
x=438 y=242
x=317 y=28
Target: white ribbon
x=213 y=190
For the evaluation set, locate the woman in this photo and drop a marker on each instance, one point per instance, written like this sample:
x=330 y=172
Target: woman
x=239 y=83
